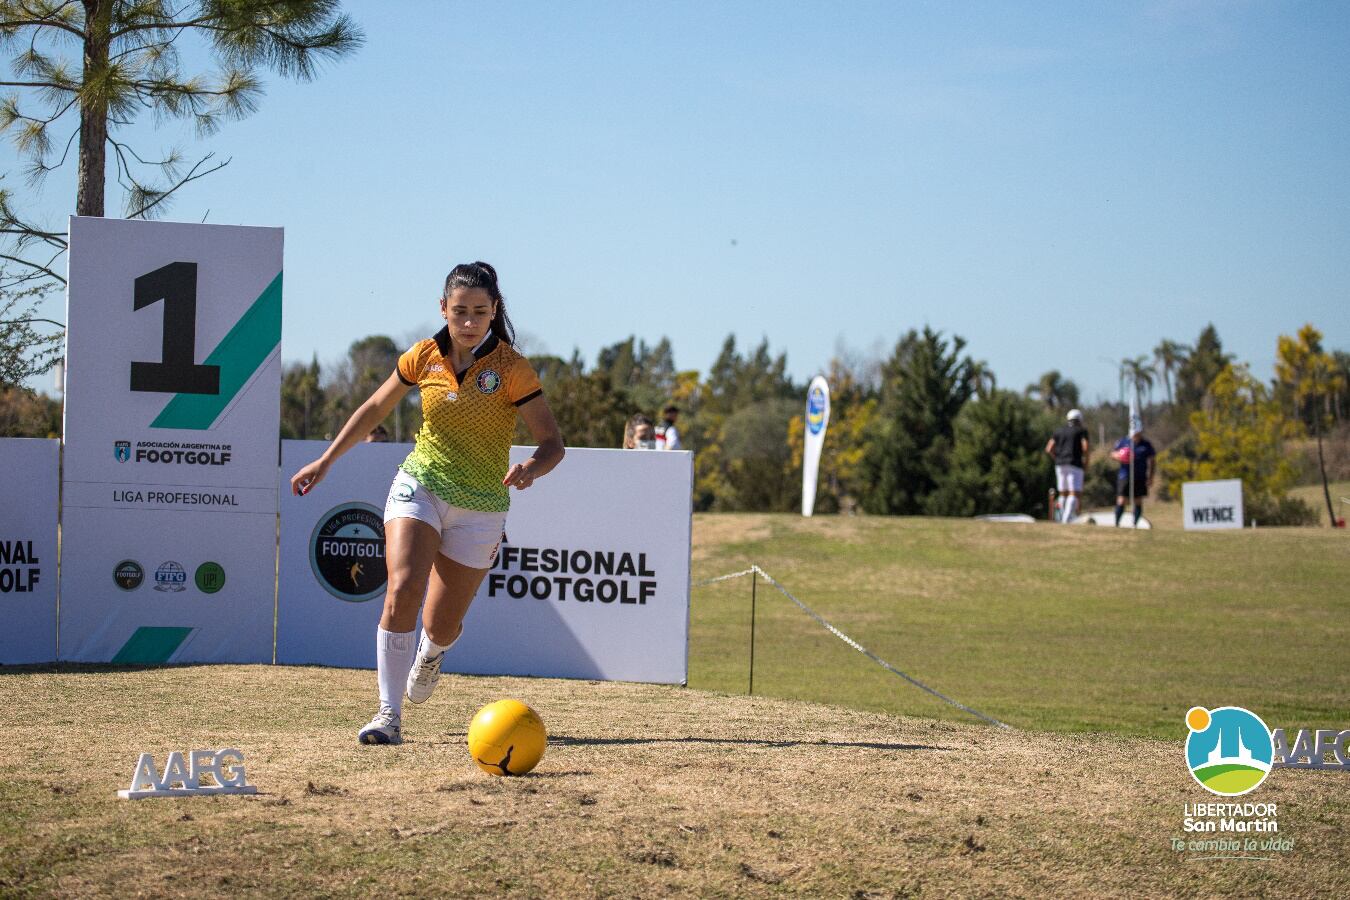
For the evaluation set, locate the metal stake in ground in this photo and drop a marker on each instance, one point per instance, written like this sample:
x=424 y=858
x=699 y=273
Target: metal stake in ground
x=754 y=579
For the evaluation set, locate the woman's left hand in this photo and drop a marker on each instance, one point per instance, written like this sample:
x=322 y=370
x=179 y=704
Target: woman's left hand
x=519 y=476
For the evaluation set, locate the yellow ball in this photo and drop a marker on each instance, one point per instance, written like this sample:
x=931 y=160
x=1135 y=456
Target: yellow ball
x=507 y=738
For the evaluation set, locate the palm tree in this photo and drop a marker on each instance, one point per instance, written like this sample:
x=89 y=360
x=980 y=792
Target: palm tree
x=1138 y=375
x=1054 y=390
x=1167 y=358
x=982 y=379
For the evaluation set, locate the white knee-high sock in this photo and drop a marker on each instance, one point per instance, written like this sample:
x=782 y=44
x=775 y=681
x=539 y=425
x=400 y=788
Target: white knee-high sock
x=394 y=653
x=428 y=648
x=1070 y=508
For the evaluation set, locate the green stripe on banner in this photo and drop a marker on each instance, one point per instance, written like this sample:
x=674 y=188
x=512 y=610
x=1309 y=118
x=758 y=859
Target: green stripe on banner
x=151 y=644
x=239 y=355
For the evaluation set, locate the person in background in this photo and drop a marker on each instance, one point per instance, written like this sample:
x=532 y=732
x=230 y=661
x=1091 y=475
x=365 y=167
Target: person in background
x=639 y=434
x=1135 y=451
x=378 y=435
x=1068 y=446
x=667 y=435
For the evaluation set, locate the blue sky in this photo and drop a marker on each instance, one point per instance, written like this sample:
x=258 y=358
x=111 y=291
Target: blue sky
x=1062 y=184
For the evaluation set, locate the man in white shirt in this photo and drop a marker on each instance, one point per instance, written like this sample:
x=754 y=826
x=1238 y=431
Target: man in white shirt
x=667 y=435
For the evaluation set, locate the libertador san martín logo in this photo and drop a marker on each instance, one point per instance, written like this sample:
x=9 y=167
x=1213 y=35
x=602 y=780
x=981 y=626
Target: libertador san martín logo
x=1228 y=750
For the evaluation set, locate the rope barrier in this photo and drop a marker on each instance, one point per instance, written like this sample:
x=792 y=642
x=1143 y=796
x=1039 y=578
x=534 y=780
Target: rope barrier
x=756 y=570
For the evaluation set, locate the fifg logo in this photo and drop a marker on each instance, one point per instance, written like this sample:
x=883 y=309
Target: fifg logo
x=171 y=576
x=1228 y=750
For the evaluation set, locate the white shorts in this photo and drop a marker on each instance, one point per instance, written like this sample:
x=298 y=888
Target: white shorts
x=468 y=537
x=1069 y=478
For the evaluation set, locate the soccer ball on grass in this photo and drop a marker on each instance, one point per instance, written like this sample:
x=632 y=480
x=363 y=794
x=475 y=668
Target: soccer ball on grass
x=507 y=738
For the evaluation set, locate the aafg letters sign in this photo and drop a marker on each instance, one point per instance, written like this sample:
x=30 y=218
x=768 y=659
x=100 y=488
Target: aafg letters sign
x=1212 y=505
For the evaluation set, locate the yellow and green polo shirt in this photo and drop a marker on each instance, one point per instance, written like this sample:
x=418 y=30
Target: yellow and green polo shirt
x=468 y=419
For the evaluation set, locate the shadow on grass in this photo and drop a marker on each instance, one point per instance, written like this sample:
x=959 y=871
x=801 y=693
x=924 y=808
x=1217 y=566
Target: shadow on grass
x=74 y=668
x=563 y=740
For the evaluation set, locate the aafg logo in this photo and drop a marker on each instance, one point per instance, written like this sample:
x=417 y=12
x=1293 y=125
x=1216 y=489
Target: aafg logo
x=815 y=409
x=1228 y=750
x=489 y=381
x=122 y=450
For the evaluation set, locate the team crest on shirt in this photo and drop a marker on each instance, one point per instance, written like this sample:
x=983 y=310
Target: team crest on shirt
x=489 y=381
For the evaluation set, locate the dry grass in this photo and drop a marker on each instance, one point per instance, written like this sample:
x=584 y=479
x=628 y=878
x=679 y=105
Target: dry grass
x=644 y=791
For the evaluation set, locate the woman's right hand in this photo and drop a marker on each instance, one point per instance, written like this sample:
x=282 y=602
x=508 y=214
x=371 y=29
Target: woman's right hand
x=303 y=482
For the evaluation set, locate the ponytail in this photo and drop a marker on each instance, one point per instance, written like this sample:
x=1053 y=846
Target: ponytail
x=481 y=275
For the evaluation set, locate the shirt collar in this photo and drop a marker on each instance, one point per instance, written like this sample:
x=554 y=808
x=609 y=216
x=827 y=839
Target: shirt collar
x=485 y=346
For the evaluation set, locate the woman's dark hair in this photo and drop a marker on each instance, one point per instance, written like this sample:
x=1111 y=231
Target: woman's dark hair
x=481 y=275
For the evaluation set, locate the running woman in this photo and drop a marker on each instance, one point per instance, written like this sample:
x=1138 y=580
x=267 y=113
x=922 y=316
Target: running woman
x=446 y=511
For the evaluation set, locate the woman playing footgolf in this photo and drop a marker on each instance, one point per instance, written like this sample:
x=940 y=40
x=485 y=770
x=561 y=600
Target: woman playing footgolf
x=447 y=507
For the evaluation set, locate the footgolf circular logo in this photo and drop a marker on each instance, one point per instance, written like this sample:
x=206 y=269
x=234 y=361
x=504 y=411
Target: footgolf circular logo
x=346 y=552
x=1228 y=750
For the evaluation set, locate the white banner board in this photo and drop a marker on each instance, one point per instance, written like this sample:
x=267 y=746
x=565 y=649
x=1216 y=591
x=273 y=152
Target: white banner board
x=332 y=572
x=1212 y=505
x=28 y=505
x=172 y=413
x=592 y=582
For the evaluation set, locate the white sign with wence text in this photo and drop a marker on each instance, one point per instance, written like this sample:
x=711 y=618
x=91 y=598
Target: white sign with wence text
x=173 y=381
x=592 y=581
x=1212 y=505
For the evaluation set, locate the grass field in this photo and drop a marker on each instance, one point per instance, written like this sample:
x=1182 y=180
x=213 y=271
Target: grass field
x=1042 y=626
x=663 y=791
x=644 y=791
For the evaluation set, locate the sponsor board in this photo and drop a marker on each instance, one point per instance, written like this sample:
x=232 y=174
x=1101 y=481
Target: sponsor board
x=575 y=590
x=1212 y=505
x=171 y=422
x=28 y=504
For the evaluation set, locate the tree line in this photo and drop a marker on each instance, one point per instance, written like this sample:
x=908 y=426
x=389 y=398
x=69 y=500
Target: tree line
x=926 y=430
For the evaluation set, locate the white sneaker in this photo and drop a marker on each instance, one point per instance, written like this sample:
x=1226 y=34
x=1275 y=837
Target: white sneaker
x=385 y=728
x=424 y=674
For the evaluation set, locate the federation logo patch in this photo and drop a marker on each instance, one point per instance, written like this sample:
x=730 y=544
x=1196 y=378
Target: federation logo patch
x=489 y=381
x=122 y=450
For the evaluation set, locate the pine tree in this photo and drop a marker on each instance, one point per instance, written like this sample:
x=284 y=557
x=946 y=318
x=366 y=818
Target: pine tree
x=127 y=63
x=925 y=383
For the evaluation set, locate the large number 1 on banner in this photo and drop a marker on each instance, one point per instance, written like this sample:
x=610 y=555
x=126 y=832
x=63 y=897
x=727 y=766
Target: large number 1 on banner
x=176 y=285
